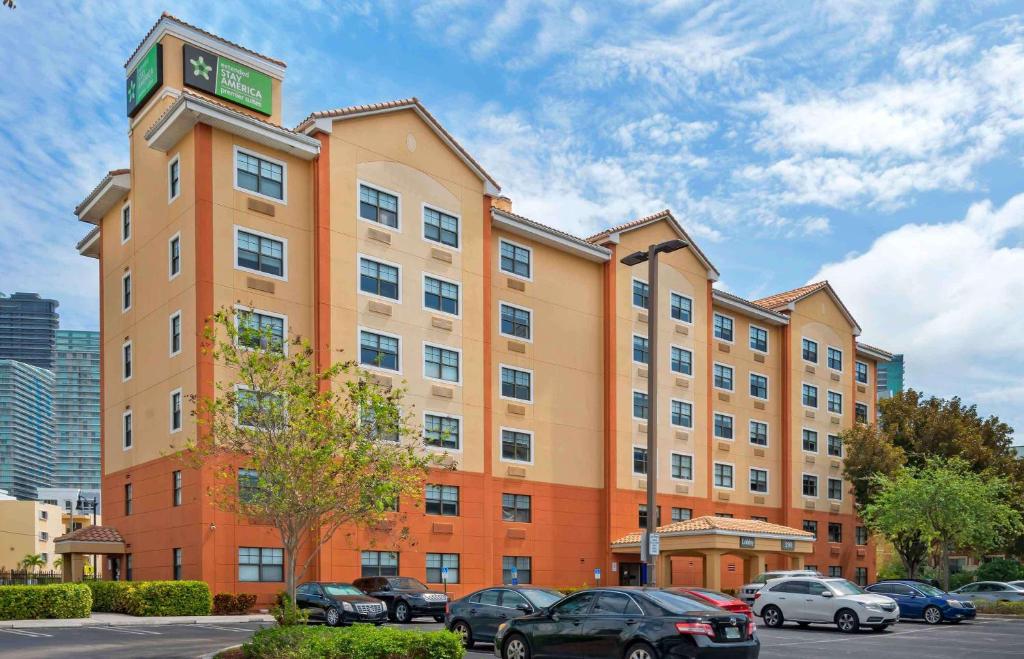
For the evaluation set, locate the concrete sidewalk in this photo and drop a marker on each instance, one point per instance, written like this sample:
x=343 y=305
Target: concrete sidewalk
x=121 y=620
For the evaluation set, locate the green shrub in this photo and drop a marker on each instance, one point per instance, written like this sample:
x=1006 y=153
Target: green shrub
x=1013 y=608
x=112 y=596
x=152 y=598
x=225 y=604
x=999 y=569
x=960 y=579
x=67 y=600
x=356 y=642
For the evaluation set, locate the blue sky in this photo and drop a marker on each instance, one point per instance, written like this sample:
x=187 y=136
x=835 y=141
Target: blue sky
x=874 y=143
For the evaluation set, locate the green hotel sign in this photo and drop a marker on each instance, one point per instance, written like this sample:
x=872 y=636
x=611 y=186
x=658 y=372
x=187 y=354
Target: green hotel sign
x=227 y=79
x=145 y=78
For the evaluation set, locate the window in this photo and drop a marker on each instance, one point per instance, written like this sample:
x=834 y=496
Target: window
x=682 y=361
x=811 y=526
x=515 y=259
x=641 y=406
x=835 y=571
x=723 y=426
x=810 y=440
x=516 y=384
x=639 y=460
x=379 y=564
x=759 y=480
x=441 y=431
x=441 y=295
x=516 y=445
x=248 y=485
x=173 y=179
x=175 y=411
x=442 y=500
x=725 y=515
x=515 y=508
x=861 y=372
x=641 y=294
x=377 y=206
x=641 y=352
x=127 y=499
x=126 y=430
x=835 y=446
x=681 y=514
x=759 y=433
x=126 y=223
x=682 y=467
x=260 y=331
x=810 y=395
x=515 y=322
x=176 y=564
x=641 y=516
x=441 y=363
x=835 y=532
x=759 y=386
x=758 y=339
x=126 y=361
x=810 y=483
x=260 y=564
x=861 y=535
x=810 y=350
x=835 y=359
x=126 y=291
x=378 y=278
x=176 y=488
x=175 y=333
x=835 y=402
x=723 y=377
x=173 y=257
x=435 y=565
x=384 y=430
x=860 y=576
x=378 y=350
x=682 y=307
x=440 y=227
x=128 y=567
x=723 y=327
x=259 y=253
x=257 y=408
x=44 y=515
x=523 y=573
x=682 y=414
x=860 y=411
x=759 y=518
x=260 y=175
x=835 y=489
x=723 y=475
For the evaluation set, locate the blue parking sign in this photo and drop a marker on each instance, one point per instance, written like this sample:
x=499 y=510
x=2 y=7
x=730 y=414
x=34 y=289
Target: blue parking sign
x=515 y=576
x=444 y=574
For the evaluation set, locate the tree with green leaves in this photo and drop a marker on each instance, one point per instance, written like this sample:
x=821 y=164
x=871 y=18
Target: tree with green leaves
x=945 y=504
x=305 y=450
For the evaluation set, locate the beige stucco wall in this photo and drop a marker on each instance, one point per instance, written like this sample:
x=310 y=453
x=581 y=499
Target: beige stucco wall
x=21 y=529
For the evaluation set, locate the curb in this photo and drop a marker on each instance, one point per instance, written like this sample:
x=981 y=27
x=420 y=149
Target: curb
x=132 y=622
x=1001 y=616
x=211 y=655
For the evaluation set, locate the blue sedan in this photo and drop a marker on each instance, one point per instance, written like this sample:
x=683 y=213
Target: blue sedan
x=923 y=601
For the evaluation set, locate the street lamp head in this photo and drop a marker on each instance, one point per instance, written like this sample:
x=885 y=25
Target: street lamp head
x=637 y=258
x=634 y=259
x=671 y=246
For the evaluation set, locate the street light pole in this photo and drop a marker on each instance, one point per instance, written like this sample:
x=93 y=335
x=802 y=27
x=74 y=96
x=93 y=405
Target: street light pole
x=653 y=352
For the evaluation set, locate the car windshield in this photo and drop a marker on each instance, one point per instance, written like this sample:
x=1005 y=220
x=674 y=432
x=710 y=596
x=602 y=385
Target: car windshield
x=676 y=603
x=406 y=583
x=929 y=590
x=542 y=598
x=1013 y=586
x=844 y=587
x=341 y=589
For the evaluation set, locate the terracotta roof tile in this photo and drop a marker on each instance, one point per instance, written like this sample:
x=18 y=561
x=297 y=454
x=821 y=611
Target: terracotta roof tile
x=103 y=181
x=714 y=523
x=782 y=299
x=207 y=33
x=187 y=93
x=92 y=534
x=545 y=227
x=628 y=225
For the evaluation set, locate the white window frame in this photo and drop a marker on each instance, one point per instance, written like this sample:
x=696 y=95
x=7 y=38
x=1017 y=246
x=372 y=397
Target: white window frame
x=272 y=314
x=842 y=403
x=171 y=352
x=359 y=275
x=633 y=281
x=693 y=466
x=677 y=373
x=242 y=387
x=127 y=414
x=842 y=452
x=458 y=218
x=171 y=275
x=533 y=446
x=126 y=207
x=818 y=434
x=867 y=369
x=767 y=480
x=371 y=367
x=423 y=294
x=170 y=411
x=457 y=351
x=131 y=350
x=731 y=368
x=680 y=400
x=533 y=382
x=693 y=310
x=767 y=339
x=817 y=397
x=256 y=154
x=828 y=482
x=732 y=417
x=260 y=273
x=767 y=386
x=631 y=407
x=446 y=415
x=817 y=481
x=727 y=464
x=170 y=165
x=632 y=463
x=817 y=348
x=767 y=433
x=715 y=338
x=842 y=359
x=528 y=249
x=127 y=274
x=394 y=193
x=520 y=308
x=644 y=337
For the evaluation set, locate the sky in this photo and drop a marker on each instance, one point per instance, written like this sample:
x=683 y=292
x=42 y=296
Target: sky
x=873 y=143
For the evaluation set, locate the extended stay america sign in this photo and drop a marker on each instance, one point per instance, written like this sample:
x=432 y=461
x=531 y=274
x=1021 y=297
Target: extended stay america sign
x=227 y=79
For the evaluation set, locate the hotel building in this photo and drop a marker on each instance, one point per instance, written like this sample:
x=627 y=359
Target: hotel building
x=373 y=231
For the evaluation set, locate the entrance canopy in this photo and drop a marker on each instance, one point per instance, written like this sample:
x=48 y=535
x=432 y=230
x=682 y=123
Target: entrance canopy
x=88 y=541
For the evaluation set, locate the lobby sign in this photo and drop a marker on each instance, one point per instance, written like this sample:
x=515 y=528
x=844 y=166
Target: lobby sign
x=227 y=79
x=145 y=78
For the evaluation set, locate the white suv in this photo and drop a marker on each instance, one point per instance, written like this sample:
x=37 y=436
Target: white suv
x=836 y=601
x=748 y=591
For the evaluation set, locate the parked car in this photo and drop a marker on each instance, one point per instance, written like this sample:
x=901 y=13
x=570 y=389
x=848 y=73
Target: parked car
x=818 y=600
x=747 y=590
x=714 y=598
x=628 y=622
x=476 y=616
x=992 y=591
x=1018 y=584
x=405 y=597
x=339 y=604
x=922 y=601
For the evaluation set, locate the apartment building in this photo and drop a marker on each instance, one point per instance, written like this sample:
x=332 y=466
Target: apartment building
x=76 y=410
x=26 y=428
x=522 y=348
x=27 y=528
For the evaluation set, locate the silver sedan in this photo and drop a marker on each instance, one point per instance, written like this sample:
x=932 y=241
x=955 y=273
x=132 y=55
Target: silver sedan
x=991 y=591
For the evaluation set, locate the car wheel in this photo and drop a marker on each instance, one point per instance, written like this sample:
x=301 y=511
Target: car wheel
x=403 y=613
x=772 y=616
x=332 y=617
x=932 y=615
x=438 y=618
x=640 y=651
x=847 y=621
x=879 y=628
x=463 y=630
x=516 y=648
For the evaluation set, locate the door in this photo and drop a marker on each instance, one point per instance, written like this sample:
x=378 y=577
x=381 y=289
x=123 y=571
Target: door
x=816 y=607
x=613 y=616
x=512 y=604
x=562 y=633
x=629 y=574
x=484 y=614
x=305 y=599
x=790 y=597
x=911 y=602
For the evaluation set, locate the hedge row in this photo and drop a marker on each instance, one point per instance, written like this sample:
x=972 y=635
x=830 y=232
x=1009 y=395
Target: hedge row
x=67 y=600
x=1013 y=608
x=230 y=604
x=356 y=642
x=152 y=598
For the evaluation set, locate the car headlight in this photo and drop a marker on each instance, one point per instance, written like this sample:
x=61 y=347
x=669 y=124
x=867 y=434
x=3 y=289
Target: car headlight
x=957 y=603
x=347 y=607
x=502 y=627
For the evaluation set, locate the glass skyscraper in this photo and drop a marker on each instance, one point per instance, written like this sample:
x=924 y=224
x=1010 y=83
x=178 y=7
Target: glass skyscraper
x=26 y=428
x=28 y=328
x=76 y=410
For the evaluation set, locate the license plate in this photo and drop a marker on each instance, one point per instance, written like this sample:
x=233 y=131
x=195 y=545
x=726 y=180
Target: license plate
x=732 y=632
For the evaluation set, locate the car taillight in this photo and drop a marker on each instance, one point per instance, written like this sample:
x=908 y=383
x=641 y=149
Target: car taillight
x=695 y=628
x=756 y=595
x=751 y=628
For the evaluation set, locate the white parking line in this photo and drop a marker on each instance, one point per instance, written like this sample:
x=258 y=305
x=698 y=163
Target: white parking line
x=137 y=632
x=226 y=629
x=25 y=632
x=846 y=638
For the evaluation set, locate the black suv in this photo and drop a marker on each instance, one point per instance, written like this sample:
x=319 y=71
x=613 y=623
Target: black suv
x=406 y=598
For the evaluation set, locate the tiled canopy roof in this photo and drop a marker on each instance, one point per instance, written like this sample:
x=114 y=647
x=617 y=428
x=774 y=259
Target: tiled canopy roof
x=92 y=534
x=782 y=299
x=712 y=524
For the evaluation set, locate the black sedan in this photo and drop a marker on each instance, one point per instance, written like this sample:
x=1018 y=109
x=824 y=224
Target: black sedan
x=476 y=616
x=339 y=604
x=405 y=597
x=635 y=623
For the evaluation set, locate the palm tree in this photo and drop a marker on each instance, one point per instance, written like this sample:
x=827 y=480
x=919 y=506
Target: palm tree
x=58 y=563
x=33 y=562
